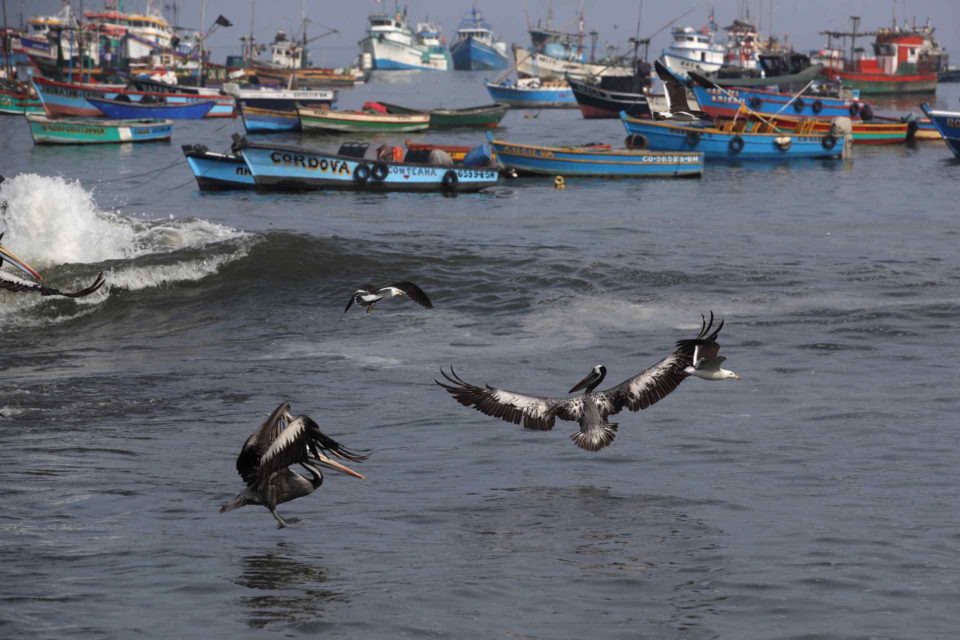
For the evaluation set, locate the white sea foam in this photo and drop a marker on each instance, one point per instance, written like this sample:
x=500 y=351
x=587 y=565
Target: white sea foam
x=49 y=221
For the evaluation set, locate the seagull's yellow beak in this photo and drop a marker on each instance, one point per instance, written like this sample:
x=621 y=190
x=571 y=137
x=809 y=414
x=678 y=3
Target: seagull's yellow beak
x=11 y=257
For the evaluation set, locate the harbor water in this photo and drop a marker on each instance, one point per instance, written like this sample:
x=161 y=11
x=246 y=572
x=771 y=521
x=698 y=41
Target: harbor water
x=817 y=498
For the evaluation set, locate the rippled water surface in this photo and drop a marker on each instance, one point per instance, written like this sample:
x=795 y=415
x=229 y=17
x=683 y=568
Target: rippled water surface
x=816 y=499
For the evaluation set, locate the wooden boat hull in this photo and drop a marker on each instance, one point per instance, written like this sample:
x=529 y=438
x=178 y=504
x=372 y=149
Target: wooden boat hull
x=132 y=110
x=18 y=105
x=357 y=122
x=563 y=161
x=96 y=131
x=488 y=115
x=873 y=133
x=719 y=145
x=880 y=84
x=726 y=104
x=540 y=98
x=297 y=169
x=217 y=171
x=947 y=124
x=66 y=99
x=596 y=103
x=257 y=120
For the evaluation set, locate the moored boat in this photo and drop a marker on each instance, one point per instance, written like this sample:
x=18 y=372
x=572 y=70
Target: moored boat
x=872 y=133
x=487 y=115
x=597 y=102
x=71 y=98
x=299 y=169
x=593 y=162
x=18 y=98
x=476 y=48
x=531 y=93
x=360 y=121
x=948 y=124
x=122 y=109
x=741 y=140
x=46 y=130
x=257 y=120
x=217 y=171
x=392 y=44
x=725 y=102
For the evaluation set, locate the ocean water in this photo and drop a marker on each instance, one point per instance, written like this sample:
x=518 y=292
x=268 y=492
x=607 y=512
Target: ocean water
x=817 y=498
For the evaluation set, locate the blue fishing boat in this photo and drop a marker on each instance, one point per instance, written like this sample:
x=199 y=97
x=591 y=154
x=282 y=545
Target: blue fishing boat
x=948 y=124
x=476 y=48
x=46 y=130
x=257 y=120
x=298 y=169
x=595 y=161
x=531 y=93
x=217 y=171
x=725 y=102
x=123 y=110
x=734 y=140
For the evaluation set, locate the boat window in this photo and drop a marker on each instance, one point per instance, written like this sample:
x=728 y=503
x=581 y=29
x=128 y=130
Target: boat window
x=703 y=56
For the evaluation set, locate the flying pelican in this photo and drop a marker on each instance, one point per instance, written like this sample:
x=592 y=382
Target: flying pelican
x=11 y=282
x=282 y=441
x=591 y=409
x=368 y=295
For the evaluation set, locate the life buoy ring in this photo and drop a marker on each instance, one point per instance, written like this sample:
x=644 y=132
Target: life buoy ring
x=854 y=109
x=798 y=105
x=362 y=173
x=755 y=102
x=636 y=141
x=450 y=180
x=693 y=138
x=817 y=106
x=829 y=141
x=736 y=145
x=380 y=171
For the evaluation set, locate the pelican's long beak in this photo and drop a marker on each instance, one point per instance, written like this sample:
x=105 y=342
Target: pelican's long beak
x=586 y=382
x=11 y=257
x=336 y=466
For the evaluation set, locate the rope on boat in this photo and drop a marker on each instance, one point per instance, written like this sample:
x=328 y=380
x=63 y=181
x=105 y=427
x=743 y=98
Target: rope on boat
x=153 y=172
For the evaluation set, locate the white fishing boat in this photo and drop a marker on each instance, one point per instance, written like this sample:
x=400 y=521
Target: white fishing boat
x=693 y=50
x=390 y=44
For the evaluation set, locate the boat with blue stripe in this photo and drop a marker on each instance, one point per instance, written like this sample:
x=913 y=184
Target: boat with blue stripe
x=595 y=161
x=734 y=140
x=726 y=101
x=257 y=120
x=299 y=169
x=948 y=124
x=531 y=93
x=476 y=49
x=46 y=130
x=122 y=109
x=217 y=171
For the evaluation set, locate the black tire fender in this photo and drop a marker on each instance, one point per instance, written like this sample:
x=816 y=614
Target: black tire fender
x=380 y=171
x=361 y=173
x=735 y=145
x=450 y=180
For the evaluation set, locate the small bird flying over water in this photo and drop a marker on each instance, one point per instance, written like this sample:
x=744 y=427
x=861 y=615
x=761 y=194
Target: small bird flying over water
x=282 y=441
x=591 y=409
x=368 y=295
x=11 y=282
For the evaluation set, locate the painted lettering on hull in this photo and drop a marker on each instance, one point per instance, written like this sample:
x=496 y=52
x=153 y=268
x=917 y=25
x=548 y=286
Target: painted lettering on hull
x=311 y=163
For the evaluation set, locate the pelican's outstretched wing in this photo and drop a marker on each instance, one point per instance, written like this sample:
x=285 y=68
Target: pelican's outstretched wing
x=535 y=412
x=301 y=441
x=11 y=282
x=654 y=384
x=248 y=462
x=408 y=289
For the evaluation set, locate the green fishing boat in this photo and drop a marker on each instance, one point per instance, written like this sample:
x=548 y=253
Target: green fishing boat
x=96 y=131
x=488 y=115
x=360 y=121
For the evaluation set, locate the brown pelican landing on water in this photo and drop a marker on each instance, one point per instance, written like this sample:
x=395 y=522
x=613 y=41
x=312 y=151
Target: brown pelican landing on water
x=592 y=409
x=368 y=295
x=11 y=282
x=282 y=441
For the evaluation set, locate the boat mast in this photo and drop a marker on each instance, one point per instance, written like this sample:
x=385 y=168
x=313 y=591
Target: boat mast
x=7 y=63
x=202 y=36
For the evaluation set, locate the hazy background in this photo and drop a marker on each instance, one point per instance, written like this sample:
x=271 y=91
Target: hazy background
x=615 y=20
